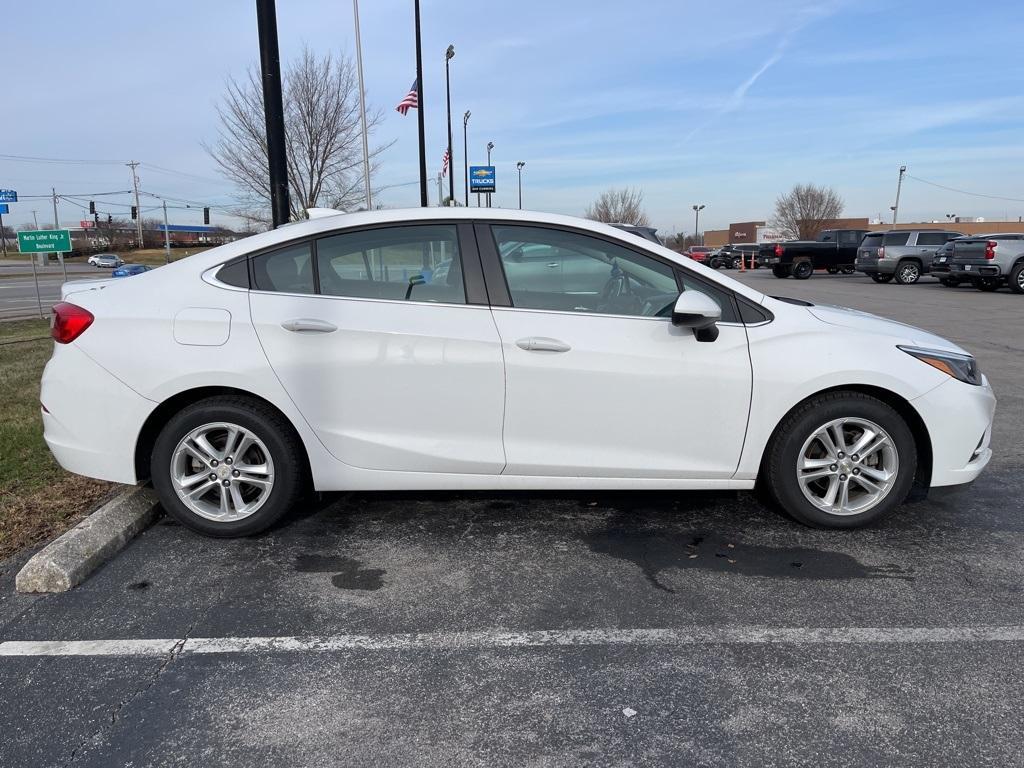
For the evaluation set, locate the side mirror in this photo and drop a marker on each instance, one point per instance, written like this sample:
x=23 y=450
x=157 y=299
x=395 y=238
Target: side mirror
x=698 y=311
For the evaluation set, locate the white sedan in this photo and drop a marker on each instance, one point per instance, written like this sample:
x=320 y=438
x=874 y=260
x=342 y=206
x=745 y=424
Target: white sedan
x=468 y=349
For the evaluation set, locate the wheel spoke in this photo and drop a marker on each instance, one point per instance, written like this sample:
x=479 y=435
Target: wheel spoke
x=817 y=474
x=253 y=469
x=878 y=475
x=258 y=482
x=236 y=498
x=839 y=439
x=866 y=484
x=190 y=480
x=816 y=463
x=825 y=438
x=202 y=444
x=229 y=443
x=877 y=444
x=833 y=489
x=843 y=497
x=244 y=445
x=225 y=501
x=863 y=441
x=201 y=490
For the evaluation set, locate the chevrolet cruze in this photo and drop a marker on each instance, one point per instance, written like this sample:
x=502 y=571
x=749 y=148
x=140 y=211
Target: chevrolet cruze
x=496 y=350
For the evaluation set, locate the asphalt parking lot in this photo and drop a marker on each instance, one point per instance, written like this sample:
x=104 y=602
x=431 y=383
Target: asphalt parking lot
x=556 y=629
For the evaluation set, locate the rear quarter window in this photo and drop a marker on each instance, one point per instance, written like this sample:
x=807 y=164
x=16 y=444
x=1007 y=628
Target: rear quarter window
x=872 y=241
x=896 y=238
x=934 y=238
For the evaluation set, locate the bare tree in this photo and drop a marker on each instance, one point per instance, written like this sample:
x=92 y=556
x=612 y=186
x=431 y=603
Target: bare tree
x=619 y=206
x=322 y=133
x=806 y=210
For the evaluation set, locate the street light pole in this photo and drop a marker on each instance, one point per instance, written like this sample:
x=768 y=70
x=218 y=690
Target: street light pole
x=899 y=185
x=419 y=110
x=519 y=169
x=448 y=56
x=490 y=146
x=696 y=222
x=465 y=152
x=273 y=109
x=362 y=108
x=167 y=237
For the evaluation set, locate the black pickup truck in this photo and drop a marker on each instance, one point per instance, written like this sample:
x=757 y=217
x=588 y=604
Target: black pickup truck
x=834 y=250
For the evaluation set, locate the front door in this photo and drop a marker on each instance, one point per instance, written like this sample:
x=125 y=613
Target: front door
x=599 y=383
x=371 y=335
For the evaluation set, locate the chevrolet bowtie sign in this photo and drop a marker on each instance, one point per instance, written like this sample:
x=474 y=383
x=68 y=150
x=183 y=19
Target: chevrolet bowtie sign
x=481 y=178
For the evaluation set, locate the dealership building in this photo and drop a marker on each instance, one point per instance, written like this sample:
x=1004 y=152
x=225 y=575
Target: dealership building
x=742 y=232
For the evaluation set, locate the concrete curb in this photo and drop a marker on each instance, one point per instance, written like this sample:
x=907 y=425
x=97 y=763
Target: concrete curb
x=69 y=559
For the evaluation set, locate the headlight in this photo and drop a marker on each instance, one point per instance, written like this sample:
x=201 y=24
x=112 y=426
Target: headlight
x=961 y=367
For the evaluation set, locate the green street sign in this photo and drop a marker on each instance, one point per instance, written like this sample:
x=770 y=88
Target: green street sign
x=45 y=241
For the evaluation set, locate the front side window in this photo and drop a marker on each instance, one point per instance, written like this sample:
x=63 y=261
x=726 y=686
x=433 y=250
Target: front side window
x=413 y=263
x=286 y=270
x=551 y=269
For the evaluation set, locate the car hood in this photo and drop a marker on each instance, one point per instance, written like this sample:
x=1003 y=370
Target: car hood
x=873 y=324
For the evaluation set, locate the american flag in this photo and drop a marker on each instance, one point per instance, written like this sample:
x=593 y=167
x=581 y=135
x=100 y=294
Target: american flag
x=411 y=100
x=444 y=162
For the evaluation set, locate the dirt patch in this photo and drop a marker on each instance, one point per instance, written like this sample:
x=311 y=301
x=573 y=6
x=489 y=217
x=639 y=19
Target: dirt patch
x=35 y=516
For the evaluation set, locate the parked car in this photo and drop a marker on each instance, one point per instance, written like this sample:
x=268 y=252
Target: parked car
x=989 y=261
x=249 y=373
x=699 y=253
x=834 y=250
x=900 y=254
x=940 y=265
x=127 y=270
x=647 y=233
x=107 y=260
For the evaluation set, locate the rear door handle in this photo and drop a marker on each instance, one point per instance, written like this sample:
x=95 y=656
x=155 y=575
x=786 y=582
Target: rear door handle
x=542 y=344
x=308 y=325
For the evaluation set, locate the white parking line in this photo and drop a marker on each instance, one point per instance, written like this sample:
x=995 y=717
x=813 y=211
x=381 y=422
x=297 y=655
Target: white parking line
x=496 y=638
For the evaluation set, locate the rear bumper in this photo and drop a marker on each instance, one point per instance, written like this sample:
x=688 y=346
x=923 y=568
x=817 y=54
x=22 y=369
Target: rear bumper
x=958 y=417
x=91 y=421
x=973 y=269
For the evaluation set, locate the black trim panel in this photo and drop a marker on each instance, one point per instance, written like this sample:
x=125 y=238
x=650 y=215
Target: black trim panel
x=472 y=268
x=494 y=273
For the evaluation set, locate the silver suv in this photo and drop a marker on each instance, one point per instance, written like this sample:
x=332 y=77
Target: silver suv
x=903 y=254
x=989 y=261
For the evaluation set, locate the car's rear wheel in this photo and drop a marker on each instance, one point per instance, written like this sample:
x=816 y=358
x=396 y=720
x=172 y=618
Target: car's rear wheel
x=803 y=270
x=908 y=272
x=781 y=270
x=228 y=466
x=841 y=460
x=879 y=278
x=848 y=270
x=987 y=284
x=949 y=282
x=737 y=262
x=833 y=270
x=1016 y=279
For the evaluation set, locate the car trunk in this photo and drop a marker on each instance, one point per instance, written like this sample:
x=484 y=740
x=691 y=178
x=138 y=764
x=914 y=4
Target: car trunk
x=867 y=253
x=970 y=249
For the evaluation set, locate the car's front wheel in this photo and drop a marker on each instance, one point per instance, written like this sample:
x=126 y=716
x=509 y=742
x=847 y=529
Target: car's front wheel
x=228 y=466
x=841 y=460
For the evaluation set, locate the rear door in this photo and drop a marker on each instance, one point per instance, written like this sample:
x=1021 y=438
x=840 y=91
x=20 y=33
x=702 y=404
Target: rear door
x=382 y=338
x=599 y=383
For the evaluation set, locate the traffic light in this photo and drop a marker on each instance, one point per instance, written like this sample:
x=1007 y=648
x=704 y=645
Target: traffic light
x=110 y=219
x=92 y=206
x=206 y=215
x=135 y=213
x=96 y=220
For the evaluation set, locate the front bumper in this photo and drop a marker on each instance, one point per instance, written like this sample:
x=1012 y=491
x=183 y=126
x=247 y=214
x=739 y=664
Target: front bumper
x=91 y=420
x=959 y=418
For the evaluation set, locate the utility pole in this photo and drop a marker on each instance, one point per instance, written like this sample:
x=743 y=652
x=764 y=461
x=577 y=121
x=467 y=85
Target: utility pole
x=35 y=218
x=362 y=109
x=696 y=222
x=273 y=109
x=490 y=146
x=899 y=185
x=465 y=152
x=138 y=208
x=56 y=225
x=424 y=202
x=3 y=234
x=448 y=56
x=440 y=189
x=519 y=169
x=167 y=236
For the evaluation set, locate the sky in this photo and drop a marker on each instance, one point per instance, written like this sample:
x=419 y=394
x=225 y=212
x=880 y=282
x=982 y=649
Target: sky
x=725 y=104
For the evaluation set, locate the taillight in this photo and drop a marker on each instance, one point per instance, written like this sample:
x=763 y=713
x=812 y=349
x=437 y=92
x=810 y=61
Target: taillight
x=779 y=250
x=881 y=251
x=69 y=322
x=990 y=249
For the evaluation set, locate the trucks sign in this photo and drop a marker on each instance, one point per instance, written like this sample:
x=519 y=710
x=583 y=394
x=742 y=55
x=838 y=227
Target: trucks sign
x=481 y=178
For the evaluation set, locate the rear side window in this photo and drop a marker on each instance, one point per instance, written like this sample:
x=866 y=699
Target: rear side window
x=850 y=238
x=286 y=270
x=896 y=238
x=935 y=238
x=236 y=274
x=872 y=240
x=416 y=263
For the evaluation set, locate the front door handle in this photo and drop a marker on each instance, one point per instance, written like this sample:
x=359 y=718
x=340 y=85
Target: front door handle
x=308 y=325
x=542 y=344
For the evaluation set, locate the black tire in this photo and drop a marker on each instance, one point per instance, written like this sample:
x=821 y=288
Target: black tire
x=784 y=448
x=715 y=264
x=987 y=284
x=781 y=270
x=737 y=262
x=1016 y=280
x=833 y=270
x=879 y=278
x=283 y=444
x=803 y=270
x=908 y=272
x=848 y=270
x=949 y=282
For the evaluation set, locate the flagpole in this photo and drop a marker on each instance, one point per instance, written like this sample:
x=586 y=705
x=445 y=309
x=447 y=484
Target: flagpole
x=424 y=202
x=362 y=109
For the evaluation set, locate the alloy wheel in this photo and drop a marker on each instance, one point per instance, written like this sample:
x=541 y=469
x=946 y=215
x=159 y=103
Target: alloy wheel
x=847 y=466
x=222 y=472
x=909 y=273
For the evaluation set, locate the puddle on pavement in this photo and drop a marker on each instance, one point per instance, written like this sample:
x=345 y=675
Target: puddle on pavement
x=655 y=552
x=349 y=573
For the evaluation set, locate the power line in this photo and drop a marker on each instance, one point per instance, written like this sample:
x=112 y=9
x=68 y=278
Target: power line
x=964 y=191
x=57 y=160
